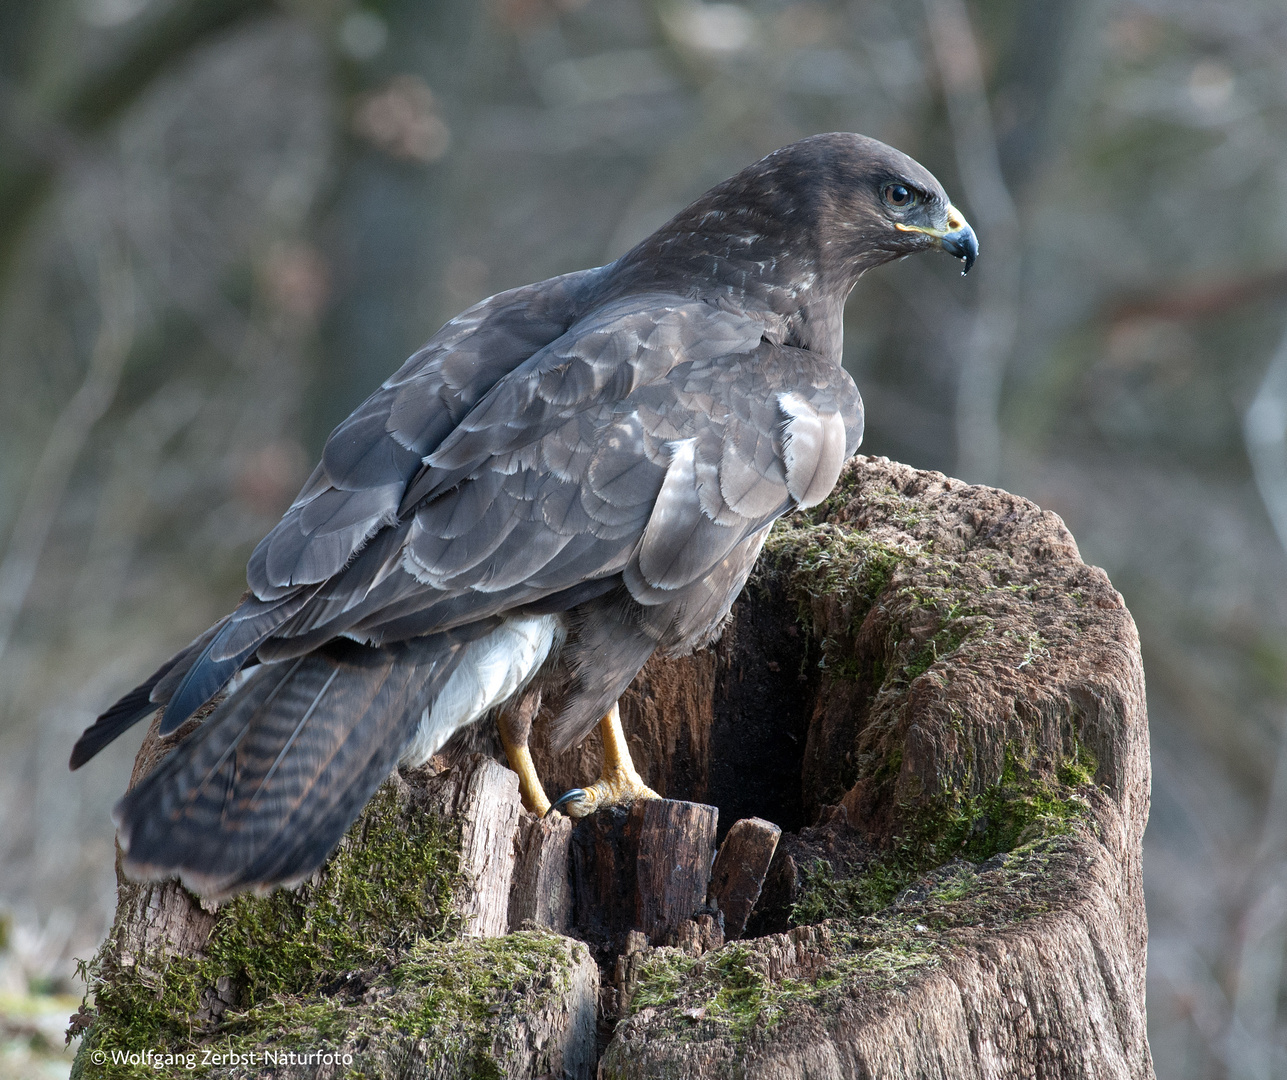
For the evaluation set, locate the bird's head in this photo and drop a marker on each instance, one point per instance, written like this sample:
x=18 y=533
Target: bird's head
x=878 y=204
x=808 y=219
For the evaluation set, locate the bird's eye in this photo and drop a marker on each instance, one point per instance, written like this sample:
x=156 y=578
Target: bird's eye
x=898 y=195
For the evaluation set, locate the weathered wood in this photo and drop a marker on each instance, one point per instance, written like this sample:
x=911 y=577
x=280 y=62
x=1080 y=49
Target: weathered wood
x=1051 y=995
x=541 y=894
x=157 y=919
x=970 y=674
x=698 y=935
x=489 y=821
x=644 y=869
x=673 y=844
x=560 y=1039
x=483 y=796
x=740 y=868
x=602 y=881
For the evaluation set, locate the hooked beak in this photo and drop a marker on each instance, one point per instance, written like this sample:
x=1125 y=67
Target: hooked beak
x=958 y=239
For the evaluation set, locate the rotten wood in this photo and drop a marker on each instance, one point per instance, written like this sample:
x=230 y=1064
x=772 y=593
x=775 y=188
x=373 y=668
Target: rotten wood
x=672 y=843
x=483 y=796
x=644 y=869
x=740 y=868
x=1038 y=969
x=980 y=644
x=541 y=894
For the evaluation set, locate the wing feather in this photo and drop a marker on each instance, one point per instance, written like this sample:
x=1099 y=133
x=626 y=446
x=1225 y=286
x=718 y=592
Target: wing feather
x=370 y=458
x=536 y=493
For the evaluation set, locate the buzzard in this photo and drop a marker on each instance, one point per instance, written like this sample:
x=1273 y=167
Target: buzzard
x=568 y=477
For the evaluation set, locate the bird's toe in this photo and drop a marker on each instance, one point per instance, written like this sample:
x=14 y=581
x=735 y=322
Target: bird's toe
x=575 y=803
x=618 y=790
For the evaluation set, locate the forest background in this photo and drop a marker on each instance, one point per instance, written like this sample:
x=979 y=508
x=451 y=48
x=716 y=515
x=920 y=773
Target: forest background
x=224 y=222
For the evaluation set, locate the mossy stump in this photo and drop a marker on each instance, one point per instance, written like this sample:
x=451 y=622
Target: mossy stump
x=940 y=705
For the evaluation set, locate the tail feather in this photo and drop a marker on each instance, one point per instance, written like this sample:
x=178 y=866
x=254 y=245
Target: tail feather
x=260 y=794
x=226 y=653
x=142 y=701
x=118 y=719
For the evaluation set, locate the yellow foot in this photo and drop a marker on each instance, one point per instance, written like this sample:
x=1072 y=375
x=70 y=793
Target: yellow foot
x=618 y=785
x=618 y=790
x=536 y=801
x=529 y=784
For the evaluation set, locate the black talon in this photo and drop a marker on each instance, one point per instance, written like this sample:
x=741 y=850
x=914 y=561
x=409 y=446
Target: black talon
x=565 y=798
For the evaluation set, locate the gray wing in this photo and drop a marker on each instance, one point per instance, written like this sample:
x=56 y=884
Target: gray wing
x=356 y=489
x=643 y=446
x=358 y=485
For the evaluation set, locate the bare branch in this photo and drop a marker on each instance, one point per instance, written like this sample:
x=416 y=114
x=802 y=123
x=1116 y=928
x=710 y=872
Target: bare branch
x=991 y=339
x=66 y=440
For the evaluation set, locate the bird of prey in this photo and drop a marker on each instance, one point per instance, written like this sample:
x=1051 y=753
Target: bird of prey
x=567 y=478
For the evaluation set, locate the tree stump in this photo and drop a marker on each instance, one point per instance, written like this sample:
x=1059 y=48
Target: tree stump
x=923 y=688
x=542 y=891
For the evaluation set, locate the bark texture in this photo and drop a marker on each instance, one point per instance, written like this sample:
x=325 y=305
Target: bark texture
x=935 y=711
x=737 y=878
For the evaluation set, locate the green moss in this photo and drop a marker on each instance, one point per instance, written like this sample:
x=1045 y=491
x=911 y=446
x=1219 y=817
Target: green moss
x=732 y=992
x=837 y=564
x=1022 y=807
x=467 y=983
x=833 y=561
x=661 y=977
x=729 y=988
x=972 y=853
x=827 y=894
x=455 y=998
x=955 y=887
x=397 y=870
x=1079 y=769
x=879 y=956
x=945 y=641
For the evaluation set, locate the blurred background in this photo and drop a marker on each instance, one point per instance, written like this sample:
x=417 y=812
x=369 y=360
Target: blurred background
x=224 y=222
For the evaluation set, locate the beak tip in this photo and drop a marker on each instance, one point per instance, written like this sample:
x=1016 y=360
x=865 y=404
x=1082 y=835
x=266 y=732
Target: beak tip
x=964 y=245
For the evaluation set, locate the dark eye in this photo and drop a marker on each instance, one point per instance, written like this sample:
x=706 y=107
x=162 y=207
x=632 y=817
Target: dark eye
x=898 y=195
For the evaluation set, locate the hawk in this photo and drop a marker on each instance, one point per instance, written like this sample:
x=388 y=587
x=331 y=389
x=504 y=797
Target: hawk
x=566 y=478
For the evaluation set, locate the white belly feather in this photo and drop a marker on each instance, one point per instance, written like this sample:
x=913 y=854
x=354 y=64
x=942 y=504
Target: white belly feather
x=491 y=670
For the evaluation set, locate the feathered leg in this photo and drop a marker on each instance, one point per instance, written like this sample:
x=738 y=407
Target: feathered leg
x=515 y=726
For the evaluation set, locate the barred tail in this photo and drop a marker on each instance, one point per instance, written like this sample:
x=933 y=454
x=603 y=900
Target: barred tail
x=264 y=789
